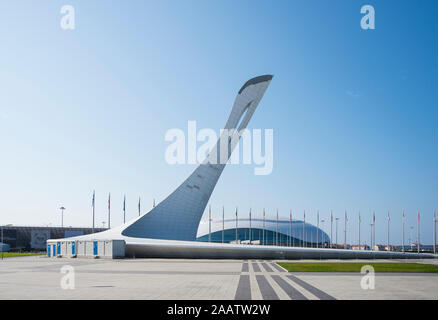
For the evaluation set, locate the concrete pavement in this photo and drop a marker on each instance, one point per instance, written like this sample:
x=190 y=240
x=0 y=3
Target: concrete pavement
x=40 y=277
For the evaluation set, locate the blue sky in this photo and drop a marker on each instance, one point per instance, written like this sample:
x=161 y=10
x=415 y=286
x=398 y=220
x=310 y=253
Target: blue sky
x=354 y=112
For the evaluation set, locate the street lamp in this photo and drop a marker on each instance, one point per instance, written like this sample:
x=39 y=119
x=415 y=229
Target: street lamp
x=337 y=219
x=62 y=216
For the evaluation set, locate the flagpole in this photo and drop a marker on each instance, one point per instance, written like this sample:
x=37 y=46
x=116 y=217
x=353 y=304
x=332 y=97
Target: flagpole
x=139 y=206
x=236 y=225
x=374 y=229
x=403 y=231
x=264 y=226
x=359 y=232
x=418 y=233
x=290 y=228
x=317 y=230
x=331 y=229
x=223 y=223
x=250 y=233
x=276 y=231
x=389 y=249
x=124 y=209
x=304 y=223
x=92 y=230
x=345 y=230
x=209 y=223
x=109 y=211
x=434 y=232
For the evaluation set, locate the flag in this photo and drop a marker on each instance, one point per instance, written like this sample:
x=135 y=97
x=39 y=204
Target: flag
x=359 y=218
x=403 y=216
x=236 y=212
x=346 y=218
x=109 y=201
x=331 y=216
x=139 y=206
x=418 y=217
x=209 y=213
x=124 y=203
x=374 y=217
x=389 y=218
x=92 y=201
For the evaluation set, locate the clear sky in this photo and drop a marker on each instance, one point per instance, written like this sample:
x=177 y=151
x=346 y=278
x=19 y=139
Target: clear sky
x=354 y=111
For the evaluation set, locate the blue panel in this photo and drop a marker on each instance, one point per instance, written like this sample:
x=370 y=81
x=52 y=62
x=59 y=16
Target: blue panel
x=48 y=250
x=95 y=248
x=58 y=249
x=73 y=248
x=54 y=251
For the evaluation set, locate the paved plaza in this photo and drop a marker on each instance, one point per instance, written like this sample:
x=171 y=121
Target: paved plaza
x=39 y=277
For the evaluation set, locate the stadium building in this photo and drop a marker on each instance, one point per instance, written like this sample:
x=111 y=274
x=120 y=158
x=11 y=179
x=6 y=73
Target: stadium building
x=264 y=232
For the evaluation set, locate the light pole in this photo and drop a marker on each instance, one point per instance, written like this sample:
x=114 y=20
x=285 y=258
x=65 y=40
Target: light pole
x=8 y=225
x=62 y=216
x=337 y=219
x=371 y=238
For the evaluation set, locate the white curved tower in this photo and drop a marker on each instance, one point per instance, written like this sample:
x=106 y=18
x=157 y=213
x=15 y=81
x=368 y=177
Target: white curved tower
x=178 y=216
x=169 y=229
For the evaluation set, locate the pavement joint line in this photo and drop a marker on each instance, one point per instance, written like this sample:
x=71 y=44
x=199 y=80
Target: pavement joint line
x=243 y=291
x=268 y=293
x=256 y=267
x=267 y=267
x=278 y=267
x=292 y=292
x=282 y=295
x=313 y=290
